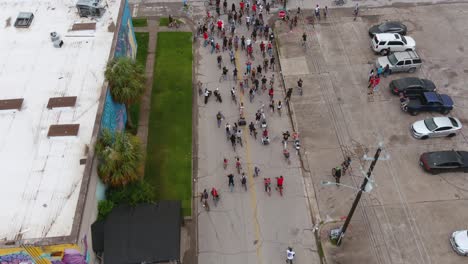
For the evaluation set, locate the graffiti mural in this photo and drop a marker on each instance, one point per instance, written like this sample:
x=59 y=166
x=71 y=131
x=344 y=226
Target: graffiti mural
x=16 y=258
x=114 y=116
x=126 y=43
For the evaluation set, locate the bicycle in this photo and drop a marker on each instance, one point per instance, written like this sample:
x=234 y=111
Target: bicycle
x=244 y=182
x=280 y=189
x=233 y=97
x=238 y=166
x=267 y=184
x=286 y=156
x=204 y=200
x=216 y=200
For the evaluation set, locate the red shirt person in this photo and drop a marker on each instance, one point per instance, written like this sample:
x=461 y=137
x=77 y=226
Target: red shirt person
x=241 y=5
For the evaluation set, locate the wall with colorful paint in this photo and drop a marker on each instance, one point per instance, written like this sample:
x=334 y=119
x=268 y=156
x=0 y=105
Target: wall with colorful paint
x=114 y=116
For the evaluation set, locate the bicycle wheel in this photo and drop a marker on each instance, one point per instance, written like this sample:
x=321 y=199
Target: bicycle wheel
x=207 y=3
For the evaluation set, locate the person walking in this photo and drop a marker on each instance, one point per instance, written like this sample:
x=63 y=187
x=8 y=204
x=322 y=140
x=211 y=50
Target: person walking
x=386 y=71
x=288 y=95
x=256 y=171
x=375 y=84
x=279 y=107
x=371 y=74
x=290 y=255
x=356 y=11
x=379 y=71
x=337 y=174
x=270 y=92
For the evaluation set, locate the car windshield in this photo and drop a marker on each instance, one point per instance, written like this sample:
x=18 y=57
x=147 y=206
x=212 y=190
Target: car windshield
x=430 y=124
x=384 y=27
x=392 y=59
x=404 y=39
x=453 y=121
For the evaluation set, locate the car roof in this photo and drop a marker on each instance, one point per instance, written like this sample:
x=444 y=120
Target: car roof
x=393 y=23
x=402 y=55
x=442 y=121
x=408 y=81
x=439 y=157
x=388 y=36
x=432 y=97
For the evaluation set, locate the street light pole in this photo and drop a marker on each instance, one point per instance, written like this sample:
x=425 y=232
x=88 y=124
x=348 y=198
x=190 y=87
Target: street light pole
x=358 y=197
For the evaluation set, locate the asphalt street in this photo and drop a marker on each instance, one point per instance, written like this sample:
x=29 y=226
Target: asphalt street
x=248 y=226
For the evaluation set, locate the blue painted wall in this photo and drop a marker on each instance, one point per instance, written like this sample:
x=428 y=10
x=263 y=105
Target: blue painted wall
x=114 y=116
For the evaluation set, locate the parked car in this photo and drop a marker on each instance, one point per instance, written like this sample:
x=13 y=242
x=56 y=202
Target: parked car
x=428 y=102
x=459 y=241
x=384 y=43
x=405 y=61
x=388 y=27
x=411 y=86
x=444 y=161
x=436 y=127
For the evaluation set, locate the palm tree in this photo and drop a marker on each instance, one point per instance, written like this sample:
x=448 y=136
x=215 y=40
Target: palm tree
x=121 y=158
x=126 y=80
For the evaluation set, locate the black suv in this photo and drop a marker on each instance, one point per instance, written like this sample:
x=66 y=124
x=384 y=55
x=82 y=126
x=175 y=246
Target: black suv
x=411 y=86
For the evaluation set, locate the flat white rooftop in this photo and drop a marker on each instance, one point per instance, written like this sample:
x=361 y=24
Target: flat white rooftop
x=40 y=177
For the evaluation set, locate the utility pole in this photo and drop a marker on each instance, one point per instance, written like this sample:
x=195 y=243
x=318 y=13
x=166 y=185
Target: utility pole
x=358 y=197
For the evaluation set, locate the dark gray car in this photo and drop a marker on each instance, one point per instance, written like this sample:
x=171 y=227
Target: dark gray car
x=444 y=161
x=388 y=27
x=411 y=86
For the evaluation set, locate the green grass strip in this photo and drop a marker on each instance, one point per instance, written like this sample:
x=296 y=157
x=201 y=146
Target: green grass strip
x=140 y=22
x=142 y=39
x=169 y=149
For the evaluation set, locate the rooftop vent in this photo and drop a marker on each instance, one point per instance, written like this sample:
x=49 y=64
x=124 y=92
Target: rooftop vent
x=24 y=19
x=90 y=8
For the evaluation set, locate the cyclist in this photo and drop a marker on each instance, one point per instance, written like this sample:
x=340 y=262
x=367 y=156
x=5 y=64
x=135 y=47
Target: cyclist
x=204 y=196
x=214 y=193
x=231 y=181
x=299 y=85
x=219 y=118
x=267 y=183
x=238 y=164
x=304 y=39
x=244 y=181
x=279 y=182
x=220 y=60
x=286 y=135
x=233 y=94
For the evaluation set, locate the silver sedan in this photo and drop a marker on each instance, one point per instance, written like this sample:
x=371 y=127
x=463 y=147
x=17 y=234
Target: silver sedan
x=436 y=127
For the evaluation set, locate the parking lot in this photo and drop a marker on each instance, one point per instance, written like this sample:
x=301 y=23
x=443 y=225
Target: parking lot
x=409 y=215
